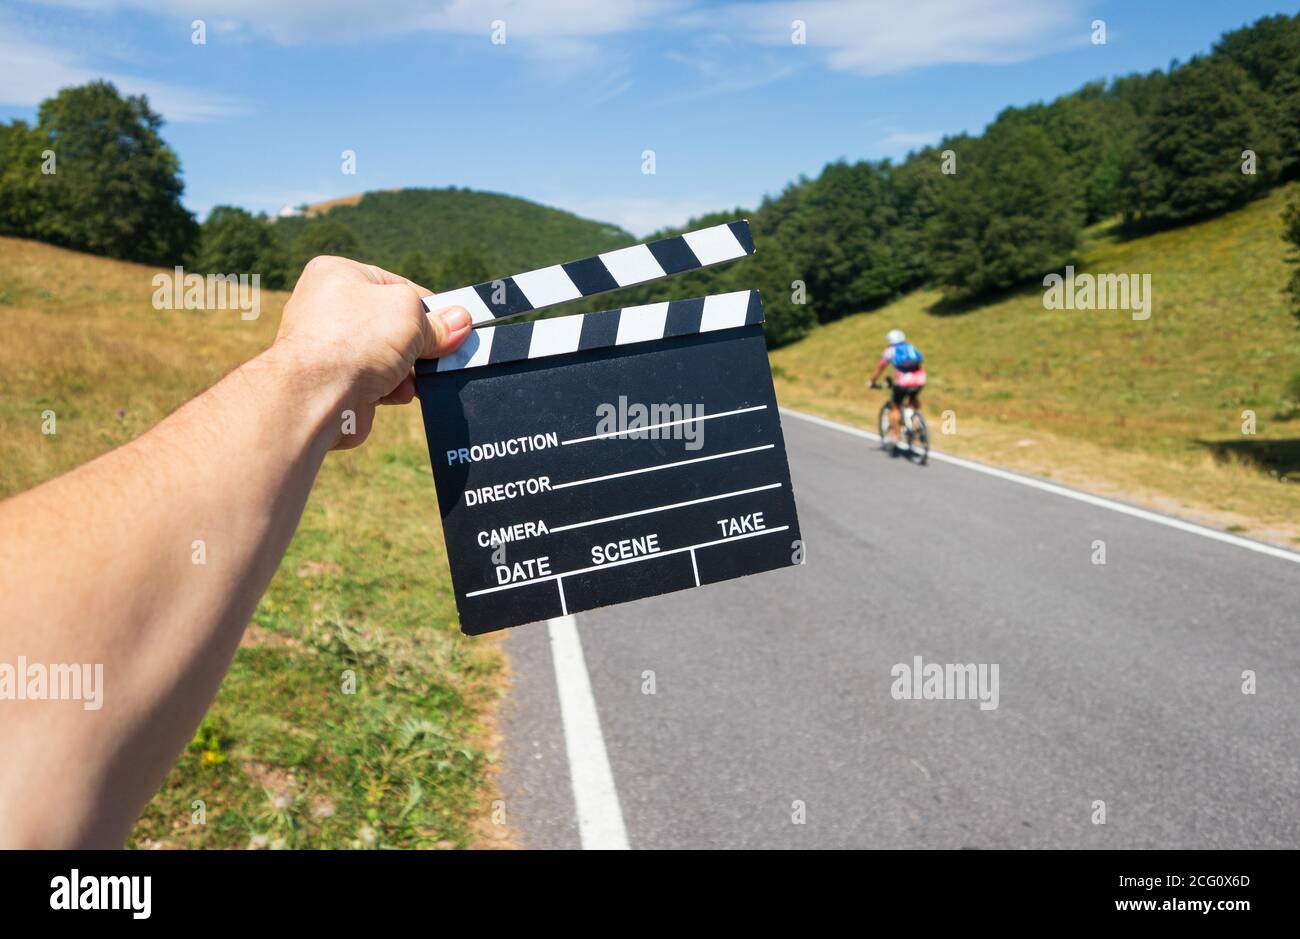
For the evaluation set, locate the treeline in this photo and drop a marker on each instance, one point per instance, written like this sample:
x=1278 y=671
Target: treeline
x=507 y=234
x=975 y=215
x=972 y=215
x=93 y=174
x=234 y=240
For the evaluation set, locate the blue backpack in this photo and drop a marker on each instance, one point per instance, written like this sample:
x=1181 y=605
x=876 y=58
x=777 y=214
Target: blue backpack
x=907 y=357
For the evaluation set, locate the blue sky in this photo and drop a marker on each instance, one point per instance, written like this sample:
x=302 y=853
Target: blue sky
x=562 y=110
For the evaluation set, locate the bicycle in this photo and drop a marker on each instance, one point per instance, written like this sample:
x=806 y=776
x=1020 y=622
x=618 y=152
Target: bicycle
x=914 y=431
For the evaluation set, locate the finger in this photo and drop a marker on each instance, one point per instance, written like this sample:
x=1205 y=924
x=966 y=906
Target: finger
x=402 y=394
x=378 y=275
x=448 y=328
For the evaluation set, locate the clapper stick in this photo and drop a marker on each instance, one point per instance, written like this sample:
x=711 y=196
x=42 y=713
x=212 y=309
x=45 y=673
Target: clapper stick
x=600 y=458
x=560 y=283
x=510 y=342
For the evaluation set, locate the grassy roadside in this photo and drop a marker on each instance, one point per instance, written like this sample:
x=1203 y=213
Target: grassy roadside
x=1150 y=410
x=284 y=757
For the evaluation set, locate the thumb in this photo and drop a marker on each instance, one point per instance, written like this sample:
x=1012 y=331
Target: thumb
x=448 y=328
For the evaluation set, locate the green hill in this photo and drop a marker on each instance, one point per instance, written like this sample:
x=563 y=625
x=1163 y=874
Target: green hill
x=506 y=233
x=1152 y=410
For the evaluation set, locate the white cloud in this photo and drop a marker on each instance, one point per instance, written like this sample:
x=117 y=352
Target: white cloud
x=880 y=37
x=31 y=72
x=867 y=37
x=290 y=22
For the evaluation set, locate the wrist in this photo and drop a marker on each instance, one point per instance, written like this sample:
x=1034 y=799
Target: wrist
x=302 y=391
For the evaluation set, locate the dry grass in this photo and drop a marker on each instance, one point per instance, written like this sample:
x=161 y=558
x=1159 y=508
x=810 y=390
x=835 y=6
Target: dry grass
x=1147 y=410
x=284 y=758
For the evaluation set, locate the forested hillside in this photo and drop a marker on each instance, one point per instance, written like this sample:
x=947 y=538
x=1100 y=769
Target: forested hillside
x=977 y=215
x=427 y=228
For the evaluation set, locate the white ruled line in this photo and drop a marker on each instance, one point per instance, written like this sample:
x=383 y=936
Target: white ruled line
x=638 y=430
x=600 y=818
x=651 y=469
x=663 y=508
x=1087 y=498
x=644 y=557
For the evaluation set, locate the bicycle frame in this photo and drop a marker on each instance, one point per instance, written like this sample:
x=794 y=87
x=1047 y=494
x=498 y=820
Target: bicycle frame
x=906 y=411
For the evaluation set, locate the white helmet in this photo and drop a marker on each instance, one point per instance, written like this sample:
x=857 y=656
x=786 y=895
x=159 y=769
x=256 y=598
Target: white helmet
x=895 y=337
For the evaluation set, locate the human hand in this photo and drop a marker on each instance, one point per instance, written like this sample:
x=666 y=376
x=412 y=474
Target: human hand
x=357 y=330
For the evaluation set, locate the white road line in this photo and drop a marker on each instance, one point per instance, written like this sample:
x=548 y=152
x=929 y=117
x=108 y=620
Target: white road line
x=635 y=560
x=1088 y=498
x=663 y=508
x=637 y=430
x=564 y=606
x=600 y=819
x=651 y=469
x=695 y=568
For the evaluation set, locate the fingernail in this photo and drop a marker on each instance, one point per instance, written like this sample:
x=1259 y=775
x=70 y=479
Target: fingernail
x=455 y=318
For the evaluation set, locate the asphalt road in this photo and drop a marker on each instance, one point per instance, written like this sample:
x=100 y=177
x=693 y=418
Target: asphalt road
x=1118 y=682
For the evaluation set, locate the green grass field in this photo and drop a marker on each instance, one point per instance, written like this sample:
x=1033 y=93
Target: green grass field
x=285 y=757
x=1150 y=410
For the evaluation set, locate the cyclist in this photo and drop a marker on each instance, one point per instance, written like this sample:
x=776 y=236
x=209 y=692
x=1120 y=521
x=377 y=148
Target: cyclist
x=909 y=377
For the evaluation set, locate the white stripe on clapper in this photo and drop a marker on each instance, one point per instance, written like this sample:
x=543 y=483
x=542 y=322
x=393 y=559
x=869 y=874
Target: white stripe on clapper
x=641 y=323
x=600 y=819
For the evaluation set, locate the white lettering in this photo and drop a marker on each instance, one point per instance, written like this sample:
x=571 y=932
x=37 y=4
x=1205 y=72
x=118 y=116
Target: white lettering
x=503 y=492
x=739 y=526
x=512 y=447
x=517 y=532
x=625 y=549
x=523 y=570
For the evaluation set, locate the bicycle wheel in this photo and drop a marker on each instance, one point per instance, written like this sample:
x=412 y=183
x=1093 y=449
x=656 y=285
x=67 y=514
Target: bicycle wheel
x=884 y=425
x=920 y=437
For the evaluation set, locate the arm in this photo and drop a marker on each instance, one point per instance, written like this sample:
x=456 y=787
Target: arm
x=880 y=368
x=95 y=566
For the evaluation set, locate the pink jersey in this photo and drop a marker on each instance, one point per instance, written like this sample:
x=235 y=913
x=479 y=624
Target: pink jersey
x=912 y=379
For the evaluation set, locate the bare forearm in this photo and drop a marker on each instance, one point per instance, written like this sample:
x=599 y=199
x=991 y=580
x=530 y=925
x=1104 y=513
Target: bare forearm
x=148 y=561
x=146 y=564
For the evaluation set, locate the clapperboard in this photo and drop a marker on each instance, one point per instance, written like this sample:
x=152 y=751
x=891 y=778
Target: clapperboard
x=593 y=459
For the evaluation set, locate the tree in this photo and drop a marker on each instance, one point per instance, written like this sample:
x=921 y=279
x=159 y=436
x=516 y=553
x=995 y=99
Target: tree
x=117 y=186
x=415 y=268
x=787 y=312
x=1189 y=155
x=460 y=269
x=233 y=242
x=23 y=189
x=1093 y=127
x=322 y=237
x=1291 y=233
x=841 y=238
x=1007 y=215
x=1269 y=52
